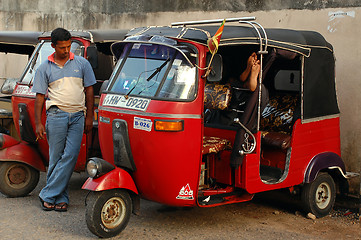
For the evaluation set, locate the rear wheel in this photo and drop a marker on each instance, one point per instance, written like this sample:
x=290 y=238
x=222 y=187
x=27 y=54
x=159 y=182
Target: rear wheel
x=17 y=179
x=319 y=196
x=108 y=212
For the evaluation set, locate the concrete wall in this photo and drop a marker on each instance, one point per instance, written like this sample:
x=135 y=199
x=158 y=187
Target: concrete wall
x=338 y=21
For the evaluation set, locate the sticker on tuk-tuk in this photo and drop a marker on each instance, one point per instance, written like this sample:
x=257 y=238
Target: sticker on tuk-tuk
x=185 y=193
x=129 y=102
x=143 y=124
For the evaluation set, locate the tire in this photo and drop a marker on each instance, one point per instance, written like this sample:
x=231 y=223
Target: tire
x=319 y=196
x=17 y=179
x=108 y=212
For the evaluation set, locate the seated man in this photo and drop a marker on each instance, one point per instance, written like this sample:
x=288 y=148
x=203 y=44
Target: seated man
x=250 y=75
x=242 y=89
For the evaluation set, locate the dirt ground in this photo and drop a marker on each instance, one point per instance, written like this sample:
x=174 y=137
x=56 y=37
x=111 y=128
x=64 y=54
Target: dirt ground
x=272 y=215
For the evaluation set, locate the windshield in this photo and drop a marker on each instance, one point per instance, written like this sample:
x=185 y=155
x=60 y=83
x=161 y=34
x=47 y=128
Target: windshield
x=155 y=71
x=41 y=55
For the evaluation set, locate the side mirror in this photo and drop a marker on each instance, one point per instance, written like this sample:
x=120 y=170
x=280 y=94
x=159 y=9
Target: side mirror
x=9 y=85
x=215 y=75
x=92 y=56
x=103 y=87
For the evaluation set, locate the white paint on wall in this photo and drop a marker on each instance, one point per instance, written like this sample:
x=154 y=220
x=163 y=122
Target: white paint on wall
x=334 y=19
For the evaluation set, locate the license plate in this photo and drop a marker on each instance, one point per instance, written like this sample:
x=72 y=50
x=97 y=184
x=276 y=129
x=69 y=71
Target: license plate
x=130 y=102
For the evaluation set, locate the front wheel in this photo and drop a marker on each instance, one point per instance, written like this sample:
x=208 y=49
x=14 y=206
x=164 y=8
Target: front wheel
x=108 y=212
x=17 y=179
x=319 y=196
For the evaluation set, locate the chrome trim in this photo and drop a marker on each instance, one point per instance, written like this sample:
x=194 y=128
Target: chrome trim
x=340 y=170
x=320 y=118
x=200 y=22
x=160 y=115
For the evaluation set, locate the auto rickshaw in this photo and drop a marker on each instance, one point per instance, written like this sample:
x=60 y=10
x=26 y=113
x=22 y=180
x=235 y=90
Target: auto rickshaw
x=21 y=161
x=169 y=133
x=21 y=43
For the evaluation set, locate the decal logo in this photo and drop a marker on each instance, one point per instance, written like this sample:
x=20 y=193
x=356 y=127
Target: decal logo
x=185 y=193
x=130 y=102
x=143 y=124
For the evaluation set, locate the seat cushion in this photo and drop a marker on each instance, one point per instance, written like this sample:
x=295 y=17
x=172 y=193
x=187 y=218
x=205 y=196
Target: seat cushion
x=217 y=96
x=215 y=145
x=276 y=139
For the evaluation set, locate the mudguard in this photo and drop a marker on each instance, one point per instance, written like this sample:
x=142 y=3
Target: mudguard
x=117 y=178
x=326 y=160
x=7 y=141
x=21 y=152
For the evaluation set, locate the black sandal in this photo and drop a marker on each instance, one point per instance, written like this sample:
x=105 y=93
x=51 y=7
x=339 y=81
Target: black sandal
x=45 y=208
x=61 y=207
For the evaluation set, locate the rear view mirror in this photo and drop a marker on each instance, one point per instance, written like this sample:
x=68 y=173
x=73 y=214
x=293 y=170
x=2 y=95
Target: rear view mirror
x=103 y=87
x=215 y=74
x=92 y=56
x=9 y=85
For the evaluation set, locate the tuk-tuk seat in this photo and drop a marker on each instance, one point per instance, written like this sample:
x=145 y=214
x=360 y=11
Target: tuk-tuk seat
x=277 y=120
x=276 y=139
x=214 y=145
x=217 y=97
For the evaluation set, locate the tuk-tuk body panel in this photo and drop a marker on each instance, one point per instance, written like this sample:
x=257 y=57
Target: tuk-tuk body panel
x=22 y=94
x=308 y=140
x=167 y=163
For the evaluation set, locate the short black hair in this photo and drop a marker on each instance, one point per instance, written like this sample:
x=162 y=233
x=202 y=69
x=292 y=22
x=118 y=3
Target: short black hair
x=60 y=34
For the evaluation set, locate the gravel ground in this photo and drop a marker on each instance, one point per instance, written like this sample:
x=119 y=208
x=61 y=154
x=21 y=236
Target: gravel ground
x=268 y=216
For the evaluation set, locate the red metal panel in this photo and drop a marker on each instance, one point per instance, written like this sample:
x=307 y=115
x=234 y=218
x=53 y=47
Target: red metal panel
x=117 y=178
x=308 y=140
x=22 y=152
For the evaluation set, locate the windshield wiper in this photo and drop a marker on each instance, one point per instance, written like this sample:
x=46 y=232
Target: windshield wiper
x=157 y=70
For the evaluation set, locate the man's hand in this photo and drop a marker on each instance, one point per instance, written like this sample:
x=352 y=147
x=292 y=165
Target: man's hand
x=39 y=102
x=88 y=124
x=89 y=102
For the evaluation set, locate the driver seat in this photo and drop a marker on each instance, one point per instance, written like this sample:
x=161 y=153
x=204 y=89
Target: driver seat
x=216 y=97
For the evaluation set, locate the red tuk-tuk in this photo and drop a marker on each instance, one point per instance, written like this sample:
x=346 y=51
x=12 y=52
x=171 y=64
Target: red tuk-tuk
x=21 y=161
x=169 y=134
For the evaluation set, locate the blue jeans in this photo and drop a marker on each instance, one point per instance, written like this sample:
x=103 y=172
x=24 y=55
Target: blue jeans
x=64 y=132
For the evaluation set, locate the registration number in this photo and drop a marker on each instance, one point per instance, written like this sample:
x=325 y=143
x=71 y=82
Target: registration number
x=129 y=102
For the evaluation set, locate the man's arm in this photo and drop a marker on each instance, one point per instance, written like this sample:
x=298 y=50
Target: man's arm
x=39 y=103
x=89 y=103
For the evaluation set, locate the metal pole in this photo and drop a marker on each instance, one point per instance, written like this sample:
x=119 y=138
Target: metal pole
x=213 y=21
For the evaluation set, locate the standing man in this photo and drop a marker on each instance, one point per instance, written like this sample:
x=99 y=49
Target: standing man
x=68 y=80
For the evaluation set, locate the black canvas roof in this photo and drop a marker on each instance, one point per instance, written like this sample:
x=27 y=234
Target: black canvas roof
x=24 y=42
x=297 y=41
x=96 y=36
x=20 y=42
x=319 y=96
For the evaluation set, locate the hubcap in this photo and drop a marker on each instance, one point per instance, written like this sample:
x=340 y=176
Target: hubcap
x=113 y=212
x=323 y=195
x=18 y=176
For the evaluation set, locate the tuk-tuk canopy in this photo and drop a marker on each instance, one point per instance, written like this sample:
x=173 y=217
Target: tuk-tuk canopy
x=319 y=93
x=19 y=42
x=24 y=42
x=95 y=36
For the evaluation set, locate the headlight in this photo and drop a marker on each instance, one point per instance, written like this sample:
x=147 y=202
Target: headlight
x=97 y=167
x=92 y=168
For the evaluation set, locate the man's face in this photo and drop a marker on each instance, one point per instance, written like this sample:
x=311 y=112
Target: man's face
x=62 y=49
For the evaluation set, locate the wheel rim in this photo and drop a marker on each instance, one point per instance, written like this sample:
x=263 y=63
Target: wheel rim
x=323 y=195
x=18 y=176
x=113 y=212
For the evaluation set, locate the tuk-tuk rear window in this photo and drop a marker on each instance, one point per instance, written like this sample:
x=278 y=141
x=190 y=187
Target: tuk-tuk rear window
x=155 y=71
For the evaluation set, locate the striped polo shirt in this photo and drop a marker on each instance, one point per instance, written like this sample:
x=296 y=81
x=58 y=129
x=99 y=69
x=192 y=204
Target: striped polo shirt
x=64 y=84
